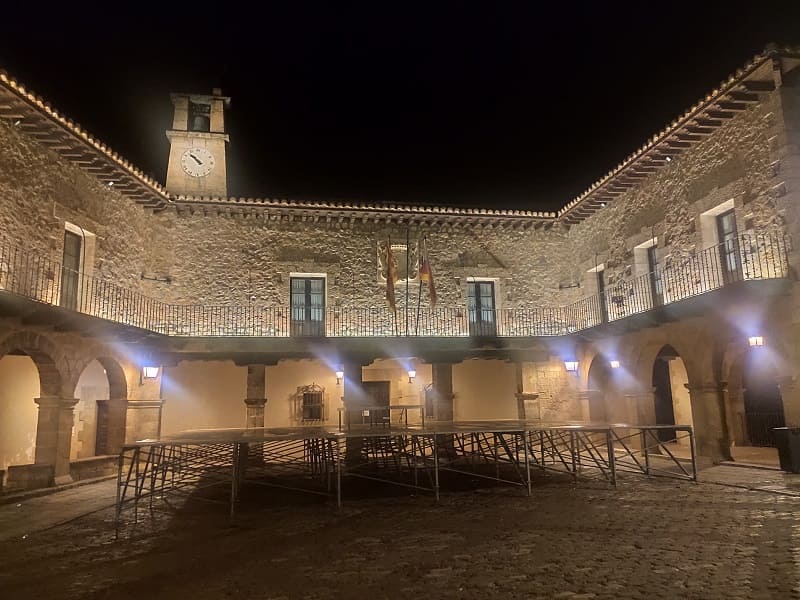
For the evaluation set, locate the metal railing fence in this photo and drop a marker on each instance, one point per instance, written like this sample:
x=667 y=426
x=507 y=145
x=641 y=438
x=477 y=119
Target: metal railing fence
x=750 y=256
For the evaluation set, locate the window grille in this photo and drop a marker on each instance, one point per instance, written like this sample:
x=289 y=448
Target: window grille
x=312 y=403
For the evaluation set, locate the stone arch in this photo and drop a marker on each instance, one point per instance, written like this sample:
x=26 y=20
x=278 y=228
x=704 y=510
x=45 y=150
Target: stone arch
x=110 y=418
x=117 y=381
x=46 y=356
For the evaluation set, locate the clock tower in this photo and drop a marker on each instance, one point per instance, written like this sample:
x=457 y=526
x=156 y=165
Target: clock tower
x=197 y=145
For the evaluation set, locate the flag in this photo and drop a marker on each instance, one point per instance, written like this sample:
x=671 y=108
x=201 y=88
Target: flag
x=426 y=274
x=391 y=276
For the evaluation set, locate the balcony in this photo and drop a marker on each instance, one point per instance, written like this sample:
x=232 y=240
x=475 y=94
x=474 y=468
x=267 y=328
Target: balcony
x=750 y=257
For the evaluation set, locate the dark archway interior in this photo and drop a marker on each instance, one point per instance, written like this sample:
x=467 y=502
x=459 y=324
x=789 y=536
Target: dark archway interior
x=662 y=390
x=763 y=406
x=599 y=379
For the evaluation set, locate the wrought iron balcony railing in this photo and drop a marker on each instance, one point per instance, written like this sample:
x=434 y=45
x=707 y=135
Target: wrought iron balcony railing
x=747 y=257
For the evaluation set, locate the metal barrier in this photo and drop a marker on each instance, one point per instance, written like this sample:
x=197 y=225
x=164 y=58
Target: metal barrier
x=316 y=460
x=745 y=258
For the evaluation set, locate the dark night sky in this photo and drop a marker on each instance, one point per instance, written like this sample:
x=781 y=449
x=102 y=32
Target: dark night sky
x=516 y=105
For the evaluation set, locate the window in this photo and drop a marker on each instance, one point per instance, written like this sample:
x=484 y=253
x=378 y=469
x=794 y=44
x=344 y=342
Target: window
x=71 y=270
x=312 y=407
x=601 y=294
x=480 y=308
x=308 y=306
x=656 y=284
x=728 y=245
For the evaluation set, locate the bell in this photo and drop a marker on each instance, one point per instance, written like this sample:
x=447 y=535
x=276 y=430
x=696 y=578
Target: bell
x=200 y=123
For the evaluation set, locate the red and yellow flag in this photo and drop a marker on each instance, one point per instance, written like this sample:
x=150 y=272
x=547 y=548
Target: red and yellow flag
x=426 y=274
x=391 y=276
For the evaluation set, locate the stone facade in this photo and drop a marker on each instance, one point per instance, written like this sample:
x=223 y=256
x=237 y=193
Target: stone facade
x=201 y=253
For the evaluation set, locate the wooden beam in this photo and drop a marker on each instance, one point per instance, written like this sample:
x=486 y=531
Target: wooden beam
x=733 y=106
x=746 y=97
x=698 y=130
x=720 y=114
x=753 y=85
x=706 y=122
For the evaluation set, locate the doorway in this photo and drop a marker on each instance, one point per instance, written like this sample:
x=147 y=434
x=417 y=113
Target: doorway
x=670 y=395
x=763 y=405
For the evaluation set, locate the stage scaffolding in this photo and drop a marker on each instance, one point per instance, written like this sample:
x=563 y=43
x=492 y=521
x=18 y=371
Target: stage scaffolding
x=320 y=460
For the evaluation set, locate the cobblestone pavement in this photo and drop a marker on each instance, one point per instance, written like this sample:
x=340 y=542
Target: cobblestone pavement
x=646 y=539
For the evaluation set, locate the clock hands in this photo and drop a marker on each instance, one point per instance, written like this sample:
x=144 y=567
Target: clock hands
x=197 y=160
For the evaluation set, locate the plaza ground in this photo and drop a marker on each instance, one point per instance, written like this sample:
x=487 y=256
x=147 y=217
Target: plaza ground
x=734 y=534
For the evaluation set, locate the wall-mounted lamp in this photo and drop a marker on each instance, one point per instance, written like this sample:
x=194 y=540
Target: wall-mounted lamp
x=411 y=375
x=755 y=340
x=148 y=372
x=571 y=365
x=339 y=376
x=614 y=364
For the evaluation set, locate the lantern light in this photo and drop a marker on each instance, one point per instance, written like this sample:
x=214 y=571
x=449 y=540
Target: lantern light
x=411 y=375
x=571 y=365
x=339 y=376
x=614 y=364
x=149 y=372
x=755 y=340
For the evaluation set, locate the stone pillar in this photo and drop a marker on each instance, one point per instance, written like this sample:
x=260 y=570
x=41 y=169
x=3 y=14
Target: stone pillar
x=790 y=396
x=442 y=391
x=116 y=417
x=354 y=394
x=710 y=429
x=642 y=411
x=354 y=397
x=143 y=420
x=54 y=435
x=256 y=395
x=583 y=405
x=642 y=406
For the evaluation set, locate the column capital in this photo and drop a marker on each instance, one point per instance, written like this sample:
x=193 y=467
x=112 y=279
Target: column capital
x=707 y=388
x=56 y=402
x=255 y=401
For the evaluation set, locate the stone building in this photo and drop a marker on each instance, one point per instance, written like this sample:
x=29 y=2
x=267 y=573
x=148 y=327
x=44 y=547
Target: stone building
x=664 y=293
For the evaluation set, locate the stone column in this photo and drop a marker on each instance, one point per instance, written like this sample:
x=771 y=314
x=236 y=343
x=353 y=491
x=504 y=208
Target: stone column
x=354 y=397
x=442 y=391
x=354 y=394
x=583 y=405
x=642 y=407
x=710 y=429
x=256 y=395
x=54 y=435
x=642 y=411
x=116 y=417
x=143 y=420
x=790 y=396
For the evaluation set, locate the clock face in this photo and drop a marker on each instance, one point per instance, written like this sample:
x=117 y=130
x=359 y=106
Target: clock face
x=197 y=162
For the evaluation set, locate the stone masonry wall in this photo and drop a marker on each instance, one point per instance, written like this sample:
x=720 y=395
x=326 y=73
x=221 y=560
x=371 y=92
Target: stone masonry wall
x=221 y=260
x=216 y=259
x=735 y=162
x=39 y=191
